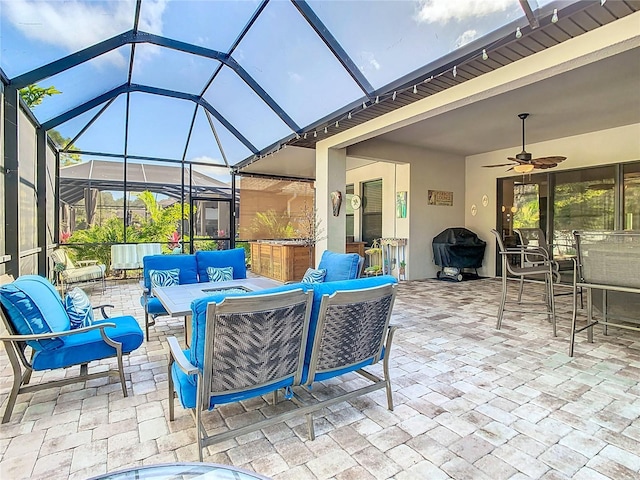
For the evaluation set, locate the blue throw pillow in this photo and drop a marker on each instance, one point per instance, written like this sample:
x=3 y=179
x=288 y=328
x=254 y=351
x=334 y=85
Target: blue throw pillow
x=223 y=274
x=164 y=278
x=78 y=307
x=313 y=275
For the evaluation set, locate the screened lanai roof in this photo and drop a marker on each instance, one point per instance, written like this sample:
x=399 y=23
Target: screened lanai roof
x=108 y=176
x=225 y=82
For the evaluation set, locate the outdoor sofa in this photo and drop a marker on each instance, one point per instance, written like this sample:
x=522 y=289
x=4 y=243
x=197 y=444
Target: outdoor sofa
x=192 y=269
x=245 y=345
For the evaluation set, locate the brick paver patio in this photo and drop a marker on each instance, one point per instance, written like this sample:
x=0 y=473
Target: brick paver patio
x=471 y=403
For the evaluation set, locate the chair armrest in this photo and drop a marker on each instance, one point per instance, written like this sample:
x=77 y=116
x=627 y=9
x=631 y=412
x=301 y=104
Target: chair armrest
x=180 y=358
x=45 y=336
x=525 y=251
x=102 y=309
x=85 y=263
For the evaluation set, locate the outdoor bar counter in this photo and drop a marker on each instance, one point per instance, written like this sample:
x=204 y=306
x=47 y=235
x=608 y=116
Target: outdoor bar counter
x=288 y=260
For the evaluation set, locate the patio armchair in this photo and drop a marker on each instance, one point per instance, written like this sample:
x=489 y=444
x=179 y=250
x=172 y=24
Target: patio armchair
x=252 y=345
x=541 y=266
x=81 y=271
x=39 y=337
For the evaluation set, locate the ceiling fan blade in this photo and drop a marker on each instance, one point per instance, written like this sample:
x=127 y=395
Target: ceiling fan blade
x=499 y=165
x=517 y=160
x=549 y=160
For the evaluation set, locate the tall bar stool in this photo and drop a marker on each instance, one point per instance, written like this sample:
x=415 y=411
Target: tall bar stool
x=541 y=266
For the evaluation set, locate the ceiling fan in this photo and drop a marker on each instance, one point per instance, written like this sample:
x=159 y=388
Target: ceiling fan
x=524 y=162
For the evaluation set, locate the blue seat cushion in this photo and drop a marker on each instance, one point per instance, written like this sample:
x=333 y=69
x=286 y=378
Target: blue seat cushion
x=185 y=263
x=327 y=288
x=154 y=306
x=339 y=266
x=88 y=346
x=186 y=388
x=199 y=317
x=33 y=306
x=221 y=258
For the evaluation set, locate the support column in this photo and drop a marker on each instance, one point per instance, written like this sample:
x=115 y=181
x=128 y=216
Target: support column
x=331 y=176
x=11 y=181
x=41 y=196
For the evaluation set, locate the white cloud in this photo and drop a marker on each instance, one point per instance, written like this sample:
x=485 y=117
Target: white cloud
x=73 y=25
x=442 y=11
x=370 y=61
x=295 y=77
x=466 y=37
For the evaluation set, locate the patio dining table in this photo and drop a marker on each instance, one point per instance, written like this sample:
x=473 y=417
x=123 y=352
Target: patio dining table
x=177 y=299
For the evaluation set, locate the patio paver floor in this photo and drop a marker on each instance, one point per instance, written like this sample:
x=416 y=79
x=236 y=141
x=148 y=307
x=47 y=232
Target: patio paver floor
x=471 y=402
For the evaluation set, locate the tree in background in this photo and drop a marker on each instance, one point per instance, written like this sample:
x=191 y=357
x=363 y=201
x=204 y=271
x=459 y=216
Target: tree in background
x=33 y=95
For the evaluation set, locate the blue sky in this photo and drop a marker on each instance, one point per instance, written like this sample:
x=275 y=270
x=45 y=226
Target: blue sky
x=385 y=39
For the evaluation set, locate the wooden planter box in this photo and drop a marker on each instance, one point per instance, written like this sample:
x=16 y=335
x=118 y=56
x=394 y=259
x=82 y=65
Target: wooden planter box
x=281 y=261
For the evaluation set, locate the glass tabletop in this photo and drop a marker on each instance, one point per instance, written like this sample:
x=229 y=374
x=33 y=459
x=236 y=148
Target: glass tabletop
x=203 y=471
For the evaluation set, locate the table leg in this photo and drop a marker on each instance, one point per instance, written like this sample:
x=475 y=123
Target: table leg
x=187 y=330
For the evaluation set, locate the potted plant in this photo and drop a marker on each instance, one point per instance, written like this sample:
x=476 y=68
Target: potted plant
x=402 y=268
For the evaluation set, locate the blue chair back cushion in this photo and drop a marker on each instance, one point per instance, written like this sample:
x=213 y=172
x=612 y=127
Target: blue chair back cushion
x=320 y=289
x=33 y=306
x=340 y=266
x=221 y=258
x=185 y=263
x=88 y=346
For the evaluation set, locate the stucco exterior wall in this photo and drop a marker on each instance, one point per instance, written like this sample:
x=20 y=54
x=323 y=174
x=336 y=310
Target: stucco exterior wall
x=596 y=148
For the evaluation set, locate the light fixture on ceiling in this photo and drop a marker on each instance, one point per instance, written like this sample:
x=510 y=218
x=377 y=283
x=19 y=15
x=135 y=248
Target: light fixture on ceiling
x=395 y=94
x=455 y=71
x=523 y=168
x=349 y=116
x=484 y=54
x=554 y=18
x=415 y=89
x=518 y=33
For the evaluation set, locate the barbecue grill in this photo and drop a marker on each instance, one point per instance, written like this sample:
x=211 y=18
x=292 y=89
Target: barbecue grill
x=455 y=249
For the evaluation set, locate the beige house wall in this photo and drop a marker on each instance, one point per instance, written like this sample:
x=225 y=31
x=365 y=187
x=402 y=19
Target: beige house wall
x=596 y=148
x=465 y=177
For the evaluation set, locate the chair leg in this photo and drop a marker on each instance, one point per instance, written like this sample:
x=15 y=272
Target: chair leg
x=171 y=390
x=146 y=324
x=15 y=389
x=312 y=432
x=551 y=302
x=521 y=289
x=503 y=299
x=121 y=370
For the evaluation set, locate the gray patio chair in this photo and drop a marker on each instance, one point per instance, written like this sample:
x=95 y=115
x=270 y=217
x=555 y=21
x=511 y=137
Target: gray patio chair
x=607 y=262
x=541 y=267
x=247 y=346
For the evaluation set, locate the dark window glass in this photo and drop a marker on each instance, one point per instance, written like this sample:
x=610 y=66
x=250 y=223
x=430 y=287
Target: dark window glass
x=371 y=211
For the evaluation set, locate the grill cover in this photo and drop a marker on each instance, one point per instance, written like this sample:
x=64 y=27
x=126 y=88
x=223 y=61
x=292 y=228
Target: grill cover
x=458 y=247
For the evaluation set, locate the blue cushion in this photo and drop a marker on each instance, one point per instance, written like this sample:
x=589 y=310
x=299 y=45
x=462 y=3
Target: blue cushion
x=222 y=274
x=313 y=275
x=327 y=288
x=34 y=306
x=88 y=346
x=221 y=258
x=164 y=278
x=186 y=388
x=154 y=306
x=78 y=307
x=199 y=317
x=339 y=266
x=186 y=264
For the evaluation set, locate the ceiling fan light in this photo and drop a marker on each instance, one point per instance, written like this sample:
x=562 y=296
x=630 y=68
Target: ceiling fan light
x=523 y=168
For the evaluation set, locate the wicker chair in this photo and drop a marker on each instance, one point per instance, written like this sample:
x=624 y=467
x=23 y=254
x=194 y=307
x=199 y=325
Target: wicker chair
x=251 y=346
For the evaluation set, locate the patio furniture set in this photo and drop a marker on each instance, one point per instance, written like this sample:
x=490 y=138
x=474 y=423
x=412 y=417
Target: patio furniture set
x=247 y=342
x=605 y=262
